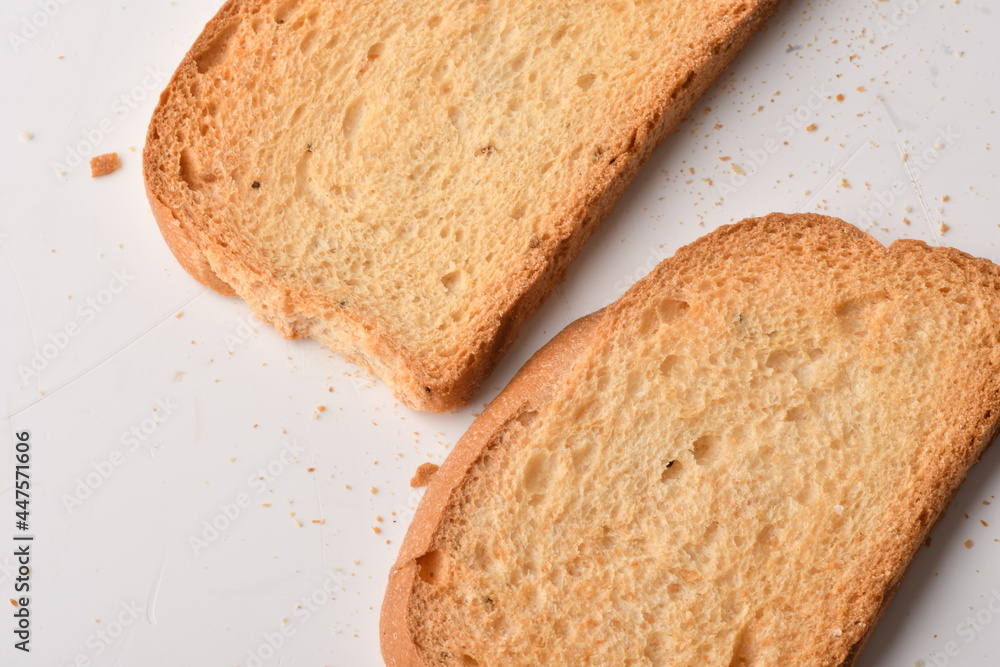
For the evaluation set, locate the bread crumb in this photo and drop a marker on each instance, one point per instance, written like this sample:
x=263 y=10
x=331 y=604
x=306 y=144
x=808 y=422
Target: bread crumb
x=904 y=157
x=862 y=89
x=25 y=136
x=102 y=165
x=374 y=490
x=298 y=523
x=13 y=602
x=180 y=314
x=944 y=227
x=946 y=198
x=969 y=544
x=423 y=474
x=376 y=530
x=320 y=408
x=811 y=127
x=906 y=221
x=840 y=97
x=985 y=525
x=844 y=183
x=310 y=469
x=738 y=169
x=319 y=521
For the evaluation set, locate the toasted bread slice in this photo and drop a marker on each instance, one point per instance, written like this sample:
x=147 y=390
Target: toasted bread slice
x=734 y=464
x=407 y=182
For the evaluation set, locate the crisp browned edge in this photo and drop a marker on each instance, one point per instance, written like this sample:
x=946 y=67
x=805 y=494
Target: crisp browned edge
x=530 y=387
x=534 y=383
x=374 y=348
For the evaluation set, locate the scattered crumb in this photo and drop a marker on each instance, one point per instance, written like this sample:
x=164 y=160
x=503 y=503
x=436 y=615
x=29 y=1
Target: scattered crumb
x=232 y=459
x=25 y=136
x=376 y=530
x=422 y=477
x=374 y=490
x=13 y=602
x=985 y=525
x=844 y=183
x=906 y=221
x=811 y=127
x=862 y=89
x=969 y=544
x=944 y=227
x=738 y=169
x=298 y=523
x=840 y=97
x=102 y=165
x=265 y=504
x=319 y=521
x=946 y=198
x=320 y=408
x=310 y=469
x=180 y=313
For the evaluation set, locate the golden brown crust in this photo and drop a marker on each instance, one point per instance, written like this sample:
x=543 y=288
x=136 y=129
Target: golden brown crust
x=531 y=386
x=959 y=443
x=211 y=252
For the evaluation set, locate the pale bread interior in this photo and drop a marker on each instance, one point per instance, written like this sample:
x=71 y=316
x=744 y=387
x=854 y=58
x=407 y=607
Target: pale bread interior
x=738 y=469
x=411 y=166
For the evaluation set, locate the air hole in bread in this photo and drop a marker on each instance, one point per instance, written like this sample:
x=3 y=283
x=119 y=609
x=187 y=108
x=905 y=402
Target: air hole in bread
x=432 y=567
x=286 y=10
x=668 y=364
x=454 y=282
x=215 y=52
x=585 y=81
x=799 y=413
x=353 y=116
x=189 y=169
x=705 y=448
x=671 y=469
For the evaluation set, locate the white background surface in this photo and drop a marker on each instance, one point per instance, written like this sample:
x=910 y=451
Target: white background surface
x=233 y=398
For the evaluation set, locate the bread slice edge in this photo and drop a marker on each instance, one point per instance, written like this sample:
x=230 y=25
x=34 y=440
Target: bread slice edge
x=533 y=386
x=296 y=312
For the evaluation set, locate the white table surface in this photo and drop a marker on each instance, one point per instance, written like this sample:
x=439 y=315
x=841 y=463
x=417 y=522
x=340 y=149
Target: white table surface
x=116 y=578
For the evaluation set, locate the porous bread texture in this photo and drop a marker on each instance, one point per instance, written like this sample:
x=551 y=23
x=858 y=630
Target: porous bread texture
x=406 y=182
x=732 y=465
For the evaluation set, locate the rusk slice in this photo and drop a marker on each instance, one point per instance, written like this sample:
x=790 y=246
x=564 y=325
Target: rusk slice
x=407 y=181
x=732 y=465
